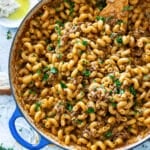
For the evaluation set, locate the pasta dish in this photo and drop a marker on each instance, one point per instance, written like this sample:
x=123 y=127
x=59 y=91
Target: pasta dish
x=84 y=76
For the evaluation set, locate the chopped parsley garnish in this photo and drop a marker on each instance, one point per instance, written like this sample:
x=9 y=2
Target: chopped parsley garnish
x=87 y=73
x=129 y=128
x=85 y=62
x=132 y=91
x=136 y=112
x=63 y=85
x=32 y=92
x=38 y=71
x=59 y=42
x=108 y=134
x=46 y=69
x=127 y=8
x=119 y=21
x=117 y=83
x=71 y=6
x=47 y=41
x=119 y=40
x=69 y=106
x=54 y=70
x=58 y=30
x=100 y=61
x=45 y=77
x=49 y=48
x=59 y=56
x=60 y=23
x=109 y=18
x=100 y=18
x=85 y=43
x=37 y=106
x=78 y=121
x=114 y=104
x=90 y=110
x=9 y=35
x=110 y=92
x=112 y=77
x=113 y=35
x=119 y=91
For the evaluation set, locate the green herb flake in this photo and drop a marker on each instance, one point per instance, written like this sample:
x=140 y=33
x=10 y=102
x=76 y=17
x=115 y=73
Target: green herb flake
x=60 y=23
x=108 y=134
x=109 y=18
x=119 y=21
x=38 y=71
x=58 y=30
x=112 y=77
x=59 y=42
x=87 y=73
x=100 y=18
x=71 y=6
x=121 y=91
x=100 y=61
x=110 y=92
x=90 y=110
x=49 y=48
x=37 y=106
x=136 y=112
x=9 y=35
x=54 y=70
x=129 y=128
x=45 y=77
x=127 y=8
x=117 y=83
x=63 y=85
x=114 y=104
x=132 y=91
x=85 y=62
x=79 y=121
x=69 y=106
x=46 y=69
x=119 y=40
x=85 y=43
x=32 y=92
x=59 y=56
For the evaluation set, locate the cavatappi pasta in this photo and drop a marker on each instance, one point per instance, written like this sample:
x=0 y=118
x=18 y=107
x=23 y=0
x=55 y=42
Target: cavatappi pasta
x=84 y=78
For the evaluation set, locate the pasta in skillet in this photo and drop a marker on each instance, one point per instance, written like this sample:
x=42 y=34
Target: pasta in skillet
x=84 y=79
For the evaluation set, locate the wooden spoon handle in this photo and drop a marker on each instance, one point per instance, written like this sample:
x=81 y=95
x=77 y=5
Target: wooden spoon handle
x=4 y=84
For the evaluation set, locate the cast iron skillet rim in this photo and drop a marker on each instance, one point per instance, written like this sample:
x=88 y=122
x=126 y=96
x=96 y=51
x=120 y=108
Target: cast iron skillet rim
x=18 y=106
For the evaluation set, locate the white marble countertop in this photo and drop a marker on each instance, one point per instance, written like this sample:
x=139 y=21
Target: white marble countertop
x=7 y=106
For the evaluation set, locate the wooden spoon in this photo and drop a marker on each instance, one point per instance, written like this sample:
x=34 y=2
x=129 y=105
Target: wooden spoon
x=115 y=9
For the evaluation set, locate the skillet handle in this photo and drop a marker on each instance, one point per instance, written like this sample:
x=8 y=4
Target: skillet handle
x=43 y=142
